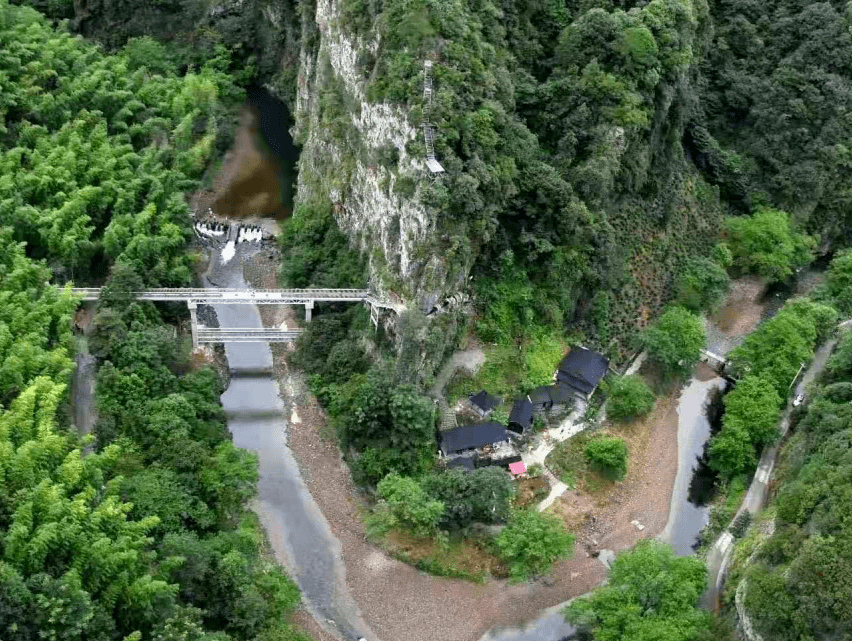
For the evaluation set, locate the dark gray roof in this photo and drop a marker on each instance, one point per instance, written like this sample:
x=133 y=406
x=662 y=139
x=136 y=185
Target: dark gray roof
x=484 y=401
x=465 y=437
x=522 y=414
x=462 y=463
x=577 y=383
x=582 y=369
x=561 y=393
x=541 y=396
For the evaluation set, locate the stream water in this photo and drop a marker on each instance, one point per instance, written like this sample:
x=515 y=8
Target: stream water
x=297 y=530
x=694 y=483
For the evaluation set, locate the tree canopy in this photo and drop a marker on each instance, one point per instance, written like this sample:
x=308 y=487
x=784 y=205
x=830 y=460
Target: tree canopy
x=628 y=398
x=532 y=542
x=650 y=595
x=676 y=339
x=766 y=244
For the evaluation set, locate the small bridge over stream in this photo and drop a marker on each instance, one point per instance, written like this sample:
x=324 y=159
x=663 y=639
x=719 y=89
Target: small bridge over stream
x=202 y=296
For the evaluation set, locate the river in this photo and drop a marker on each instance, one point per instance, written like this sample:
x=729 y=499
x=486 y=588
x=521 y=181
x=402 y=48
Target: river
x=298 y=532
x=689 y=511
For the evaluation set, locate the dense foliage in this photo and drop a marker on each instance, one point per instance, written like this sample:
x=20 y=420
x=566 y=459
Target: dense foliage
x=148 y=537
x=675 y=340
x=764 y=243
x=776 y=350
x=703 y=284
x=650 y=595
x=97 y=151
x=482 y=495
x=532 y=542
x=751 y=417
x=629 y=397
x=798 y=587
x=409 y=504
x=608 y=455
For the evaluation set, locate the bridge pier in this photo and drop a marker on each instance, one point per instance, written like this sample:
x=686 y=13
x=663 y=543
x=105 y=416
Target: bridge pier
x=309 y=306
x=193 y=317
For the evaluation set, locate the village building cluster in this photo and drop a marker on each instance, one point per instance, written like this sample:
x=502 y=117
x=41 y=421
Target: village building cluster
x=485 y=443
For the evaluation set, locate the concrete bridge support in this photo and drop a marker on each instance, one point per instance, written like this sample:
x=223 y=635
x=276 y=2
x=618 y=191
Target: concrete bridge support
x=193 y=317
x=309 y=306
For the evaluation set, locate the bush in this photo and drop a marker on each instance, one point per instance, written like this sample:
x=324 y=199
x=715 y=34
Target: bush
x=740 y=525
x=702 y=284
x=532 y=542
x=676 y=339
x=608 y=455
x=629 y=397
x=410 y=505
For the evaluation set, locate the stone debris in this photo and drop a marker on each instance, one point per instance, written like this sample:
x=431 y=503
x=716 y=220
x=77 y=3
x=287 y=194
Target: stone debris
x=637 y=525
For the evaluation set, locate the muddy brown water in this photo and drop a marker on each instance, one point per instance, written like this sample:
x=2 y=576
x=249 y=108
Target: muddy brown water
x=258 y=174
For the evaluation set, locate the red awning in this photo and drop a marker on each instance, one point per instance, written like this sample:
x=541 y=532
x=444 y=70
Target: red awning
x=518 y=468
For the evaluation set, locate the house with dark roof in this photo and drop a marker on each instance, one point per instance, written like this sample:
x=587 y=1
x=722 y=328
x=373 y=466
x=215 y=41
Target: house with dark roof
x=483 y=403
x=464 y=463
x=471 y=437
x=581 y=370
x=561 y=394
x=540 y=399
x=521 y=418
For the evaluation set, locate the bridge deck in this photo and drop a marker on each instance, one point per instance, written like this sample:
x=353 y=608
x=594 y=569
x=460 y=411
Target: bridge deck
x=247 y=335
x=225 y=296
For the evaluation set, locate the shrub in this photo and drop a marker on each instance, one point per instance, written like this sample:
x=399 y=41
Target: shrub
x=532 y=542
x=676 y=339
x=629 y=397
x=702 y=284
x=740 y=525
x=608 y=455
x=410 y=505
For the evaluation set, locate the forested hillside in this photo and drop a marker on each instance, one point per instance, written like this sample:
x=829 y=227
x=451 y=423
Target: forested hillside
x=147 y=537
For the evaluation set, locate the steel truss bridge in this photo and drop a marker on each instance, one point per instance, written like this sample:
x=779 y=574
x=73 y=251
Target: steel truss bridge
x=202 y=296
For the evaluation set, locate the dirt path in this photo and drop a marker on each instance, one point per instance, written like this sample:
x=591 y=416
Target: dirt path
x=644 y=496
x=399 y=602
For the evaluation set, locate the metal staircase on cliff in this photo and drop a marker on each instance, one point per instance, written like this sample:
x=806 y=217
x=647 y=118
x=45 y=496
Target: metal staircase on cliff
x=429 y=129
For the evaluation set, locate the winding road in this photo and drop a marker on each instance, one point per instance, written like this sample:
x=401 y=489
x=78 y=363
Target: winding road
x=719 y=554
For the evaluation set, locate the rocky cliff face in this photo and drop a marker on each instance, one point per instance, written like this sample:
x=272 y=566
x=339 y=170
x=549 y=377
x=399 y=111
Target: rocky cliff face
x=354 y=154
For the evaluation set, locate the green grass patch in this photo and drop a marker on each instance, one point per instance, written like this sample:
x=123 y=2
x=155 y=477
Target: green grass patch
x=722 y=510
x=509 y=370
x=568 y=460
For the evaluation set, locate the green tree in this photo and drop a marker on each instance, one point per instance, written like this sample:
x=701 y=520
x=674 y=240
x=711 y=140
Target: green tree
x=532 y=542
x=608 y=455
x=676 y=339
x=766 y=244
x=650 y=595
x=702 y=284
x=482 y=495
x=754 y=405
x=839 y=282
x=629 y=397
x=777 y=349
x=409 y=504
x=732 y=452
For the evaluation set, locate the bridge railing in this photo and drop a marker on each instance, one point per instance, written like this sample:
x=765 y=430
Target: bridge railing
x=247 y=335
